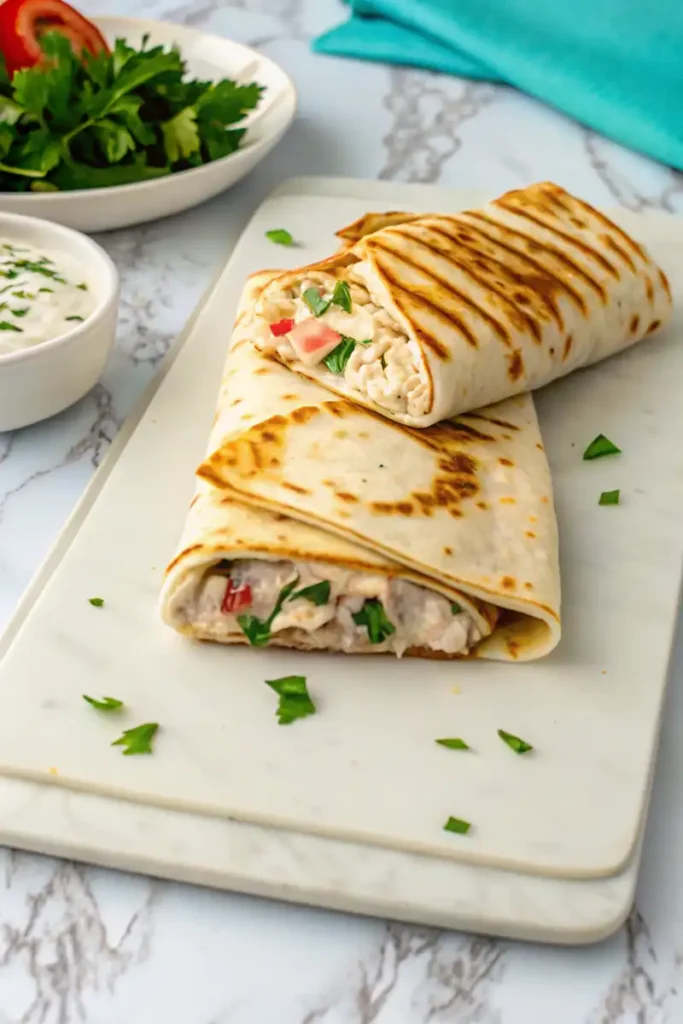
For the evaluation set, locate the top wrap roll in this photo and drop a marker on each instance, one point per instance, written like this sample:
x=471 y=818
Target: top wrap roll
x=422 y=318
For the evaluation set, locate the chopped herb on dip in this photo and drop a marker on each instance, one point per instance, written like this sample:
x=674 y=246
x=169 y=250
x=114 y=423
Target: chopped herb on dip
x=600 y=447
x=45 y=311
x=373 y=616
x=457 y=825
x=318 y=593
x=280 y=236
x=137 y=740
x=338 y=358
x=97 y=602
x=514 y=742
x=609 y=498
x=453 y=744
x=315 y=302
x=295 y=701
x=105 y=704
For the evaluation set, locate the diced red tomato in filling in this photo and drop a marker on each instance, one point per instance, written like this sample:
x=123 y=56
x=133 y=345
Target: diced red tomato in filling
x=313 y=340
x=281 y=327
x=237 y=596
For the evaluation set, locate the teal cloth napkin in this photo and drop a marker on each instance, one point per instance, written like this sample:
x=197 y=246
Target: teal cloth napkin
x=615 y=65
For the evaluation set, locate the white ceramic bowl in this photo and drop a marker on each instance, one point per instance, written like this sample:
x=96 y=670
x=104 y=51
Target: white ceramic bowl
x=208 y=57
x=40 y=381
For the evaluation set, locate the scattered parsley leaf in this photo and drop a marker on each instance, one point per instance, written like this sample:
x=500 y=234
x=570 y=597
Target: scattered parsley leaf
x=137 y=740
x=181 y=135
x=20 y=312
x=82 y=286
x=373 y=616
x=280 y=236
x=609 y=498
x=514 y=742
x=317 y=593
x=295 y=701
x=455 y=608
x=80 y=318
x=342 y=296
x=105 y=704
x=97 y=602
x=457 y=825
x=453 y=744
x=5 y=326
x=600 y=447
x=315 y=302
x=338 y=358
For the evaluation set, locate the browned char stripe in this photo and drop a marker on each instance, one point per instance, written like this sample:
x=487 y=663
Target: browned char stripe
x=625 y=237
x=587 y=250
x=441 y=314
x=557 y=254
x=505 y=272
x=415 y=242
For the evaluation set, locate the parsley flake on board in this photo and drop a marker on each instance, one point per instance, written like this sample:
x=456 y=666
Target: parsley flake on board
x=600 y=447
x=96 y=602
x=105 y=704
x=609 y=498
x=457 y=825
x=280 y=236
x=137 y=740
x=453 y=744
x=514 y=742
x=295 y=701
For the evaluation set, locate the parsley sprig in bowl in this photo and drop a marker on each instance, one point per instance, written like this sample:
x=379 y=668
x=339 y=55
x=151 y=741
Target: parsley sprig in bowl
x=123 y=137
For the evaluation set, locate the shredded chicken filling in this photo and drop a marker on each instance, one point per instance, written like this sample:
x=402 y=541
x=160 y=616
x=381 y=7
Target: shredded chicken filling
x=389 y=370
x=356 y=611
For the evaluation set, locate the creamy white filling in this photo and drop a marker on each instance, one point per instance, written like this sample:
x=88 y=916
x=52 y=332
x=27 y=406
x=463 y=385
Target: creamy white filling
x=420 y=617
x=389 y=370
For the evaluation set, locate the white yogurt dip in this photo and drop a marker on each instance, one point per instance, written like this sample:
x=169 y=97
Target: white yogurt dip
x=42 y=296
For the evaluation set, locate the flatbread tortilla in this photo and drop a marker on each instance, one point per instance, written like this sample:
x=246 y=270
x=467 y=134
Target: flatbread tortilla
x=447 y=534
x=451 y=313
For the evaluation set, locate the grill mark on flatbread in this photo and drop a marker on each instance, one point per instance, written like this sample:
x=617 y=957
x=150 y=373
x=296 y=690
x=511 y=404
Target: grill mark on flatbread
x=496 y=326
x=621 y=253
x=664 y=281
x=441 y=314
x=587 y=250
x=625 y=237
x=537 y=245
x=505 y=271
x=490 y=419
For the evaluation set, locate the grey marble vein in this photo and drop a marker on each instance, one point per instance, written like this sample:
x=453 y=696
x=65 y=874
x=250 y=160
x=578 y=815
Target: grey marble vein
x=605 y=157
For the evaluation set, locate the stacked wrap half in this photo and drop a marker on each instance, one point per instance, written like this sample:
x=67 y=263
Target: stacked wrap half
x=449 y=313
x=317 y=524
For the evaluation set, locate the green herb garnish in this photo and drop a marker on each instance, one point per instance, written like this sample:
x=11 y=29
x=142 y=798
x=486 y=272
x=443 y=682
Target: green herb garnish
x=82 y=287
x=609 y=498
x=373 y=616
x=50 y=290
x=295 y=701
x=20 y=312
x=6 y=326
x=317 y=593
x=257 y=631
x=80 y=318
x=455 y=608
x=600 y=447
x=514 y=742
x=453 y=744
x=112 y=118
x=280 y=236
x=23 y=295
x=338 y=358
x=97 y=602
x=105 y=704
x=137 y=740
x=457 y=825
x=342 y=296
x=315 y=302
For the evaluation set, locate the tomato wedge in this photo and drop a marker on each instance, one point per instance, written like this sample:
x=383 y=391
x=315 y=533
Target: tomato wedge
x=313 y=340
x=281 y=327
x=236 y=597
x=24 y=22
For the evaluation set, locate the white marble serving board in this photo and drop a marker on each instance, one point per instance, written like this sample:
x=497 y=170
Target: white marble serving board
x=365 y=769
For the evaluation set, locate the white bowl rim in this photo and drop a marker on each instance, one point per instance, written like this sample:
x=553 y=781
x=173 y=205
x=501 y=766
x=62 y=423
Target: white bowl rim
x=107 y=191
x=76 y=244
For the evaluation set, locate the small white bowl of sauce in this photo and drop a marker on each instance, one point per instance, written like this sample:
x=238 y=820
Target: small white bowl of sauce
x=58 y=308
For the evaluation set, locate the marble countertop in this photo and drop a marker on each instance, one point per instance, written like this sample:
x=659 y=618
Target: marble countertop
x=80 y=945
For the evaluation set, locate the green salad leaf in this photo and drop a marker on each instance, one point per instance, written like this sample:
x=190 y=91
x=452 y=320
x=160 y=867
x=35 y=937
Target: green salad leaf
x=112 y=118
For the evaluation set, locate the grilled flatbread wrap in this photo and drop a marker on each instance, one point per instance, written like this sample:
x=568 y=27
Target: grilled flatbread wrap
x=425 y=317
x=437 y=543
